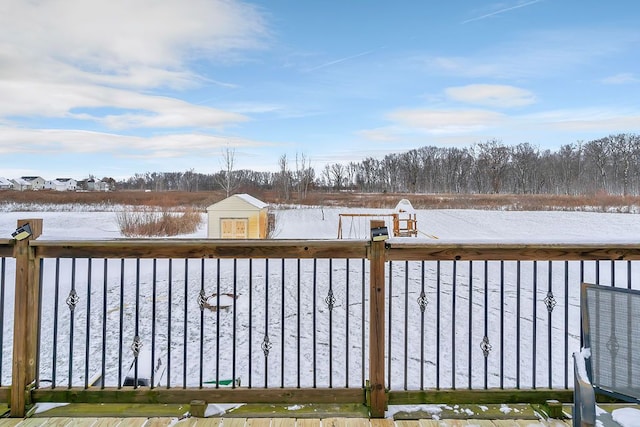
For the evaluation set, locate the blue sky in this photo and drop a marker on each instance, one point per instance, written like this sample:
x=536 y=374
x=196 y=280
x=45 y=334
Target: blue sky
x=115 y=87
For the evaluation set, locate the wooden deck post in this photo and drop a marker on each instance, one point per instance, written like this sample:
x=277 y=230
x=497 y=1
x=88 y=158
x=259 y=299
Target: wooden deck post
x=377 y=397
x=25 y=317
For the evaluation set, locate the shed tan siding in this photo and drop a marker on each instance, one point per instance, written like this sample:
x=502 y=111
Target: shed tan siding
x=233 y=210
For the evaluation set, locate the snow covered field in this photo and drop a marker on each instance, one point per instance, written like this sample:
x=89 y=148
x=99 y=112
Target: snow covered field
x=460 y=304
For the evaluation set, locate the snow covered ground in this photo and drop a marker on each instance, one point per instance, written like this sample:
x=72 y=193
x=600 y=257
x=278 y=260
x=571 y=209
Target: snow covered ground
x=460 y=302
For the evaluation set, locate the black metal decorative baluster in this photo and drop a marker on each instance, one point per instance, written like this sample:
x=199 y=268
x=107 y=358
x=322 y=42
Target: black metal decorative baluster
x=330 y=300
x=422 y=303
x=550 y=302
x=235 y=322
x=485 y=346
x=202 y=299
x=72 y=301
x=266 y=342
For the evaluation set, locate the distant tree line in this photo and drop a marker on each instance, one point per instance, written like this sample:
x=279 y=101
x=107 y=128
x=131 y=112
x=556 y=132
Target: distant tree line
x=610 y=164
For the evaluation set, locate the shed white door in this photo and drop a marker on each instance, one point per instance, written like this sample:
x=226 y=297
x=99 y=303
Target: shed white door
x=234 y=228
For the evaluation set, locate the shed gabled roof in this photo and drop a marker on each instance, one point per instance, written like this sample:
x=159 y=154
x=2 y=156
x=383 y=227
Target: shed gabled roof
x=252 y=200
x=246 y=198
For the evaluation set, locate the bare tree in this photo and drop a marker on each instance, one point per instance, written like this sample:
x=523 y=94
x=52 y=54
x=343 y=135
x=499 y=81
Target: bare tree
x=227 y=179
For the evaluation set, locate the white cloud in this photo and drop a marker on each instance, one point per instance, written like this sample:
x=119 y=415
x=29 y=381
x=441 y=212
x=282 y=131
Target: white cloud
x=44 y=141
x=620 y=79
x=447 y=121
x=59 y=58
x=500 y=96
x=380 y=134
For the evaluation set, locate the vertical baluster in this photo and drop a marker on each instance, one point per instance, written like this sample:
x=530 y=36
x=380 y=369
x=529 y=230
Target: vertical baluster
x=454 y=284
x=550 y=303
x=518 y=297
x=185 y=321
x=235 y=323
x=72 y=300
x=169 y=314
x=201 y=301
x=218 y=278
x=390 y=328
x=121 y=324
x=56 y=300
x=438 y=281
x=613 y=273
x=422 y=303
x=250 y=367
x=347 y=328
x=470 y=335
x=137 y=343
x=154 y=301
x=330 y=301
x=486 y=347
x=363 y=321
x=266 y=343
x=298 y=326
x=629 y=274
x=2 y=288
x=502 y=325
x=406 y=324
x=535 y=322
x=87 y=341
x=314 y=321
x=566 y=324
x=282 y=318
x=105 y=292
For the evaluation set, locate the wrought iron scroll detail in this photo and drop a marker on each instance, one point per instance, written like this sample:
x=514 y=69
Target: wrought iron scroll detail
x=72 y=300
x=266 y=345
x=485 y=346
x=422 y=301
x=613 y=346
x=550 y=301
x=330 y=300
x=202 y=299
x=136 y=346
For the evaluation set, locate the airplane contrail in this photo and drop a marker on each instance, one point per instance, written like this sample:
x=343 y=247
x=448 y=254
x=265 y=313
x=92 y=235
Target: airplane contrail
x=337 y=61
x=501 y=11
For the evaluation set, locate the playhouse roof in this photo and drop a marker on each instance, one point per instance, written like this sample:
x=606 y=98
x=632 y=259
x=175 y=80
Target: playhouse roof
x=404 y=206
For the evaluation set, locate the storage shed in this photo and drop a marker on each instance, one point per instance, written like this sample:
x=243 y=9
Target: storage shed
x=240 y=216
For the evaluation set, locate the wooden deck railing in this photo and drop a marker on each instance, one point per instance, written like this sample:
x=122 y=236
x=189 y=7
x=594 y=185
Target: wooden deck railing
x=391 y=342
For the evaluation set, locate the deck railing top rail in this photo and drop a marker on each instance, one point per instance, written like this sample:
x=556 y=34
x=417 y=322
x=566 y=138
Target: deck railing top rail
x=357 y=249
x=202 y=248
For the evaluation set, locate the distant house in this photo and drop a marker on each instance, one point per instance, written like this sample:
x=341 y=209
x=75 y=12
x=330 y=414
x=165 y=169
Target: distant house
x=21 y=184
x=62 y=184
x=93 y=185
x=240 y=216
x=35 y=182
x=5 y=184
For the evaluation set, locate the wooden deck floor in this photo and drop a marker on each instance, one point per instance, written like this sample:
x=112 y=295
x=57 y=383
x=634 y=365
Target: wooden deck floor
x=269 y=422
